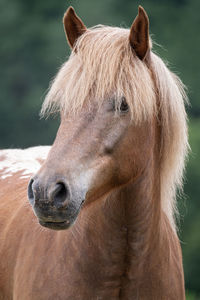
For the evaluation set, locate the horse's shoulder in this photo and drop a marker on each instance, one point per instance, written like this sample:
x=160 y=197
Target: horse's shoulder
x=21 y=162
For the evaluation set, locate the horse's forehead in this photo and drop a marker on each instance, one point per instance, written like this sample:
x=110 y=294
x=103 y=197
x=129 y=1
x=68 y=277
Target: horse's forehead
x=27 y=161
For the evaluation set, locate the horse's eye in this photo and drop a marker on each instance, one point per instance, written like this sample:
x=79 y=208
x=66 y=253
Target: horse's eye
x=124 y=106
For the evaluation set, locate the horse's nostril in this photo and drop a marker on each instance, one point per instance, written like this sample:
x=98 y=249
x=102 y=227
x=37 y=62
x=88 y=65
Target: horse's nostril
x=55 y=194
x=59 y=195
x=30 y=190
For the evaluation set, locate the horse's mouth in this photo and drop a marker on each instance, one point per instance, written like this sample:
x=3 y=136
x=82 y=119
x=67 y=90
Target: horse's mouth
x=56 y=220
x=56 y=225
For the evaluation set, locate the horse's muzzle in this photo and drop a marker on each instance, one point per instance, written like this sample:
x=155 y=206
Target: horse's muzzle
x=53 y=203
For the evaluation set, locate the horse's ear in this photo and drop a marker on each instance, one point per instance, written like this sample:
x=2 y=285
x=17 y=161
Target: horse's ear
x=73 y=26
x=139 y=33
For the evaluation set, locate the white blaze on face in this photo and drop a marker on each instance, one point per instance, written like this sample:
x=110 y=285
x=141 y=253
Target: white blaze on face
x=27 y=161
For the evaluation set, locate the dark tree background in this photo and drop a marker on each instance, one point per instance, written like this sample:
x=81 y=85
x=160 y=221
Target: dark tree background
x=32 y=48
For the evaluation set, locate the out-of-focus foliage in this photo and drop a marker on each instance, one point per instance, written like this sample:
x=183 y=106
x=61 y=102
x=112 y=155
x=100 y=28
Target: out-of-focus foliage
x=190 y=232
x=191 y=296
x=33 y=47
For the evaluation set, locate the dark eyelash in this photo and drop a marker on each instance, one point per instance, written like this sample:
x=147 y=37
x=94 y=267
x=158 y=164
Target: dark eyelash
x=119 y=106
x=123 y=106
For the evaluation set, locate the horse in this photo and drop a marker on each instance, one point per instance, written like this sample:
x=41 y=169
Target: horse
x=101 y=218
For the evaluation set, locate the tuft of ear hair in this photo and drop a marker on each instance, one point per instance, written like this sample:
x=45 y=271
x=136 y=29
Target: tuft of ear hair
x=73 y=26
x=139 y=34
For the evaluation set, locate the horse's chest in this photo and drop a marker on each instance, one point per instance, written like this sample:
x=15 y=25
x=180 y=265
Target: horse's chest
x=74 y=280
x=90 y=271
x=95 y=272
x=83 y=265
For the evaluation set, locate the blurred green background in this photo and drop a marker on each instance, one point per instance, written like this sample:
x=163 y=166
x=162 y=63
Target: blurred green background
x=33 y=46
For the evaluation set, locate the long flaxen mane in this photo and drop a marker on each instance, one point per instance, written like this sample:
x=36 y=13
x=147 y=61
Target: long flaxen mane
x=103 y=65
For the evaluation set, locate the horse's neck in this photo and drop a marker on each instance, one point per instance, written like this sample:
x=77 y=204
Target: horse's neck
x=142 y=218
x=150 y=246
x=128 y=220
x=126 y=240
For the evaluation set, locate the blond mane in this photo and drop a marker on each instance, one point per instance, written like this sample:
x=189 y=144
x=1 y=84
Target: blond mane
x=103 y=66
